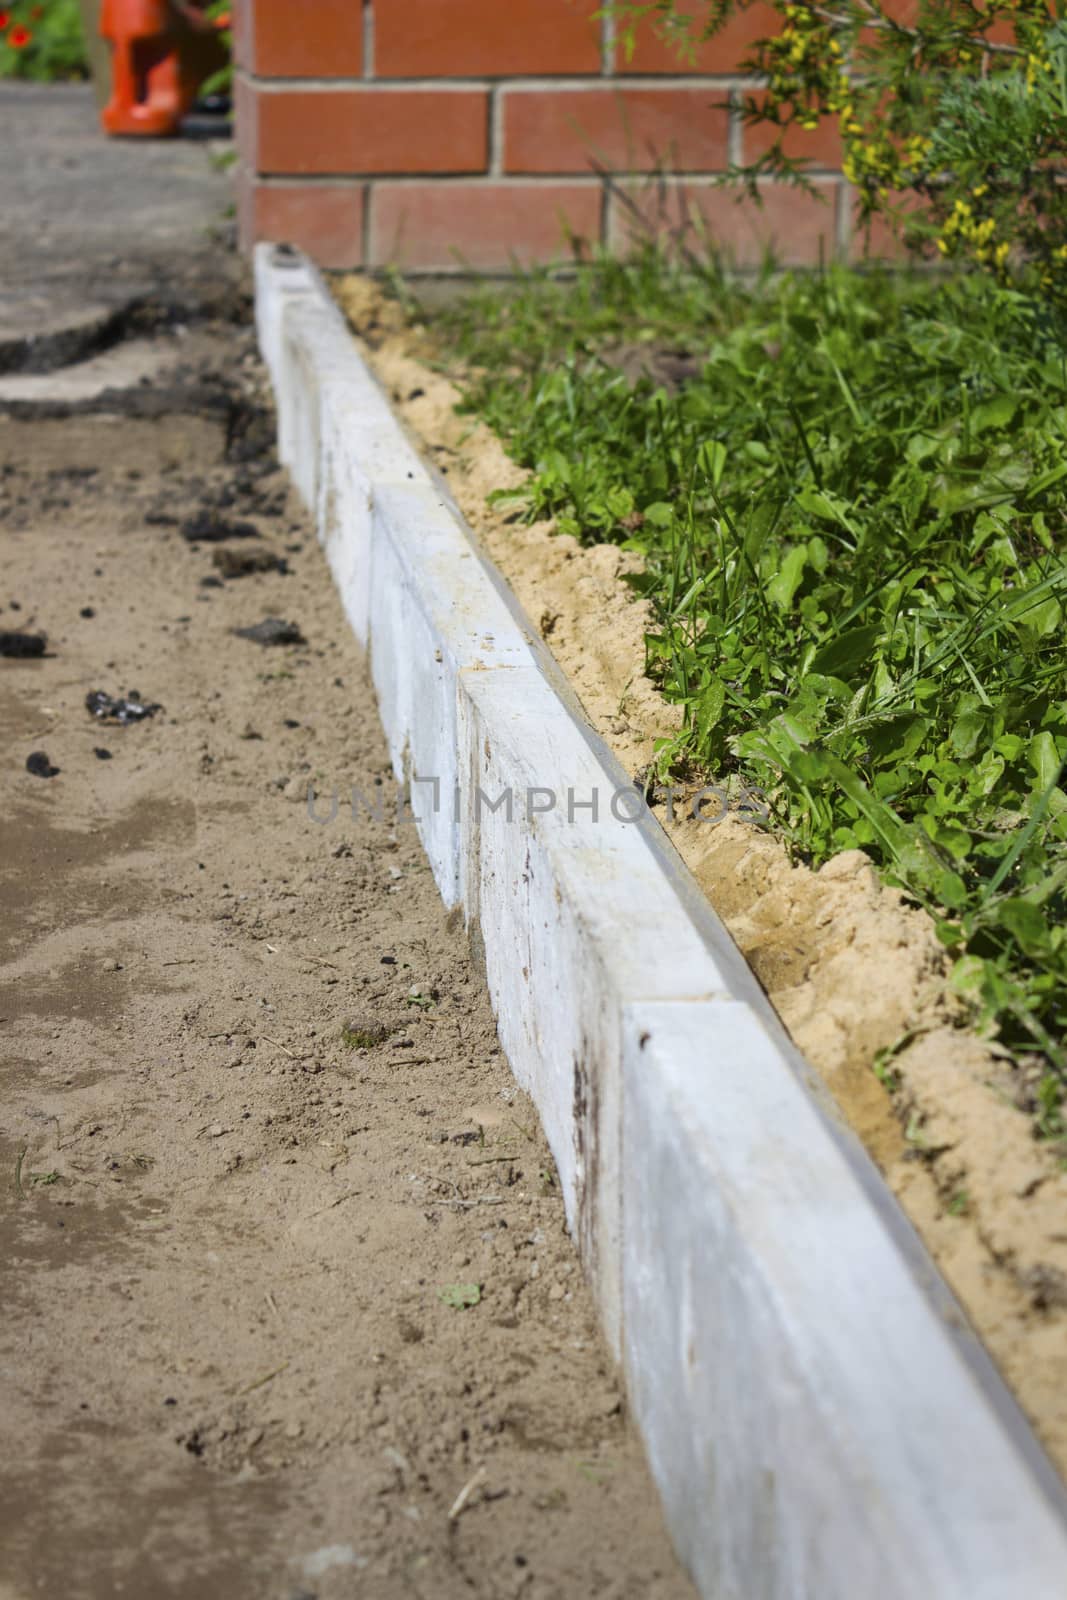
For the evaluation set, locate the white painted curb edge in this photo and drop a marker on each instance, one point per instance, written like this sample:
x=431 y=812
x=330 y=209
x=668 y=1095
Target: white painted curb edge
x=819 y=1420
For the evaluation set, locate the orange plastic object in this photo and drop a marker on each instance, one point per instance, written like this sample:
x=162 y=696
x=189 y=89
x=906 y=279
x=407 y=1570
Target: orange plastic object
x=161 y=52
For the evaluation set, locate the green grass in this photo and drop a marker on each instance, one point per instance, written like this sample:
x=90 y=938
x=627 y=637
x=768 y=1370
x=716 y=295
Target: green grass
x=853 y=526
x=364 y=1035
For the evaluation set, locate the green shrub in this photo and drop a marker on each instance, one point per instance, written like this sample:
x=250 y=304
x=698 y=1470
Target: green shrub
x=220 y=13
x=42 y=41
x=952 y=115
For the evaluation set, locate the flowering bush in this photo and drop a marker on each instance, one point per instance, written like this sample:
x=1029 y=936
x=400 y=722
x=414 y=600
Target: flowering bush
x=42 y=40
x=952 y=115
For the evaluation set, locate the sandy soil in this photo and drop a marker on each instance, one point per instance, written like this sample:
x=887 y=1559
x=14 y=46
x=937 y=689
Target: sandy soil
x=256 y=1128
x=851 y=968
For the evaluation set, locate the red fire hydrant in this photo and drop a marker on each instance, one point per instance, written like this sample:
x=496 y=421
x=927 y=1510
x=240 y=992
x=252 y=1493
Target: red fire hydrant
x=161 y=52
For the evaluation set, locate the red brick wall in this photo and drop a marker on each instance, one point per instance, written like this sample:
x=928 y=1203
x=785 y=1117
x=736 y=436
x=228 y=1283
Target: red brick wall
x=429 y=134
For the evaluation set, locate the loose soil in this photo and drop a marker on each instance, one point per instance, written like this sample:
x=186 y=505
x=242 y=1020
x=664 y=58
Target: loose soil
x=851 y=968
x=290 y=1308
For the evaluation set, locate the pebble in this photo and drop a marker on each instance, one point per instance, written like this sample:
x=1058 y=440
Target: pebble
x=39 y=766
x=272 y=631
x=22 y=644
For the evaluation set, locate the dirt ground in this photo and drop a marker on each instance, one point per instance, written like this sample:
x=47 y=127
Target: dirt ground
x=851 y=969
x=289 y=1305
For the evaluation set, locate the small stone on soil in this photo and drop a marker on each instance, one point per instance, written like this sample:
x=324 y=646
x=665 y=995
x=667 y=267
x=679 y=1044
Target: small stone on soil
x=40 y=766
x=363 y=1033
x=207 y=527
x=22 y=644
x=116 y=708
x=239 y=563
x=271 y=631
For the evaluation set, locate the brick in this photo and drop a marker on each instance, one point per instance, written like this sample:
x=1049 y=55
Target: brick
x=325 y=219
x=820 y=146
x=725 y=53
x=877 y=241
x=241 y=27
x=798 y=227
x=440 y=226
x=625 y=130
x=484 y=38
x=905 y=12
x=246 y=120
x=323 y=39
x=242 y=195
x=1001 y=31
x=365 y=130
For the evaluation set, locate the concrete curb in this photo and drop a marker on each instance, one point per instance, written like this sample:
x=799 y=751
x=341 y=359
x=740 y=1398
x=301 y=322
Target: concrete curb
x=819 y=1419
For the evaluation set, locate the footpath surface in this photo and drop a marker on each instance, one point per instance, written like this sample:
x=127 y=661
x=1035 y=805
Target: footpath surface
x=87 y=225
x=289 y=1307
